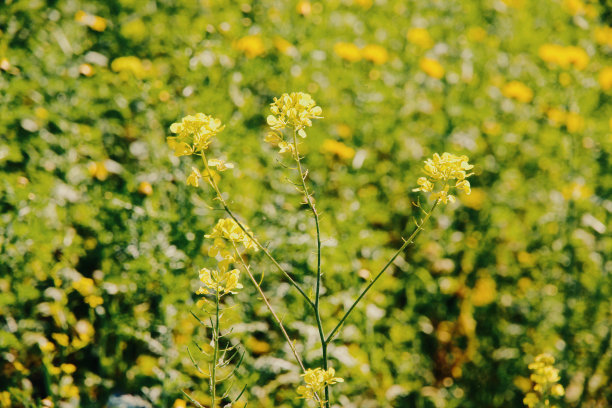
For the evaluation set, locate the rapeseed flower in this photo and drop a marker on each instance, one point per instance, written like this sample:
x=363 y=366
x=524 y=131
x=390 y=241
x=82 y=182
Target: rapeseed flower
x=432 y=68
x=545 y=378
x=605 y=78
x=375 y=53
x=442 y=170
x=517 y=90
x=293 y=110
x=219 y=281
x=316 y=380
x=348 y=51
x=251 y=45
x=420 y=37
x=194 y=134
x=229 y=229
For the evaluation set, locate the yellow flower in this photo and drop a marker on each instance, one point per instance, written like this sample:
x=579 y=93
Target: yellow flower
x=98 y=170
x=574 y=122
x=85 y=286
x=61 y=339
x=605 y=78
x=96 y=23
x=338 y=149
x=294 y=110
x=221 y=165
x=86 y=70
x=145 y=188
x=531 y=399
x=68 y=368
x=347 y=51
x=228 y=229
x=94 y=301
x=375 y=53
x=132 y=65
x=564 y=56
x=194 y=134
x=316 y=380
x=420 y=37
x=517 y=90
x=432 y=68
x=251 y=45
x=222 y=282
x=443 y=169
x=603 y=36
x=194 y=177
x=5 y=399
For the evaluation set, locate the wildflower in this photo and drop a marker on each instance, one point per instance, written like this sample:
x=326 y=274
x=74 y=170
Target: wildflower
x=420 y=37
x=194 y=134
x=347 y=51
x=251 y=45
x=133 y=65
x=316 y=380
x=61 y=339
x=221 y=165
x=194 y=177
x=603 y=36
x=476 y=34
x=545 y=378
x=605 y=78
x=432 y=68
x=86 y=70
x=229 y=229
x=338 y=149
x=517 y=90
x=145 y=188
x=574 y=122
x=304 y=8
x=219 y=281
x=294 y=110
x=564 y=56
x=375 y=53
x=443 y=169
x=96 y=23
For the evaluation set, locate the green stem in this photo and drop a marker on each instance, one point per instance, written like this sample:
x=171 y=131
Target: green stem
x=410 y=240
x=318 y=288
x=213 y=381
x=267 y=302
x=251 y=236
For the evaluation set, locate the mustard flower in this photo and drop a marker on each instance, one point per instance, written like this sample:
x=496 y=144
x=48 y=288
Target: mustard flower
x=194 y=177
x=316 y=380
x=218 y=281
x=545 y=378
x=444 y=169
x=221 y=165
x=194 y=134
x=293 y=110
x=229 y=229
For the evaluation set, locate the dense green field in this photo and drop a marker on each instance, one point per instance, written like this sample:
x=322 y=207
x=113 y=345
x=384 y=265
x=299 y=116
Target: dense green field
x=101 y=239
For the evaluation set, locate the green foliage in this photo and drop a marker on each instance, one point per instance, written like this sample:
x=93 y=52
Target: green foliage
x=89 y=190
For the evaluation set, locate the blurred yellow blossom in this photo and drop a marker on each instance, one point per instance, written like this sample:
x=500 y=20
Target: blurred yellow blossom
x=605 y=78
x=484 y=292
x=5 y=399
x=145 y=188
x=304 y=8
x=574 y=122
x=220 y=164
x=61 y=339
x=94 y=301
x=68 y=368
x=5 y=65
x=96 y=23
x=337 y=148
x=252 y=46
x=517 y=90
x=227 y=228
x=420 y=37
x=86 y=70
x=132 y=65
x=98 y=170
x=375 y=53
x=348 y=51
x=476 y=34
x=545 y=378
x=179 y=403
x=564 y=56
x=431 y=67
x=603 y=35
x=85 y=286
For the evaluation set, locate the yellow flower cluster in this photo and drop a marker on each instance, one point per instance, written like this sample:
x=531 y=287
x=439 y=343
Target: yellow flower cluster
x=252 y=46
x=564 y=56
x=372 y=52
x=219 y=281
x=96 y=23
x=432 y=68
x=442 y=169
x=316 y=380
x=420 y=37
x=545 y=377
x=293 y=110
x=517 y=90
x=224 y=280
x=194 y=134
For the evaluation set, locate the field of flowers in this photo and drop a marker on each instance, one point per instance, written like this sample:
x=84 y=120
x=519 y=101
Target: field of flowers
x=102 y=240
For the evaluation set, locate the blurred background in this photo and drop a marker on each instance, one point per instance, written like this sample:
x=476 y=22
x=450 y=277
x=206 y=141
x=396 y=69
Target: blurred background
x=101 y=240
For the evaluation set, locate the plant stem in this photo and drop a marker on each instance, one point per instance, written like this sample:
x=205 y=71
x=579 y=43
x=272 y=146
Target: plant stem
x=318 y=288
x=213 y=381
x=410 y=240
x=251 y=236
x=267 y=302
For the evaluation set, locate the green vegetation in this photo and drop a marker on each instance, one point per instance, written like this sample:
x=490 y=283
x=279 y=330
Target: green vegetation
x=101 y=239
